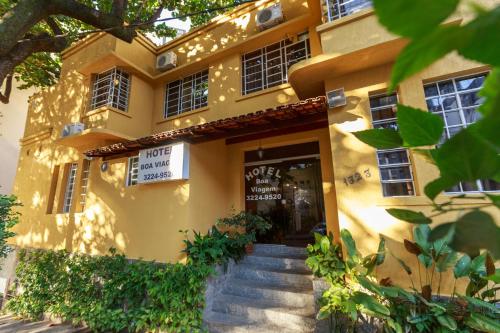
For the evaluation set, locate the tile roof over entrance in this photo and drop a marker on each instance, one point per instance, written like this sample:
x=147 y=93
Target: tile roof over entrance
x=304 y=115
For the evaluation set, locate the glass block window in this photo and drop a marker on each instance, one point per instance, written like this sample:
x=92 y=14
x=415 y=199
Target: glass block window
x=394 y=164
x=84 y=180
x=268 y=67
x=111 y=88
x=336 y=9
x=456 y=101
x=187 y=94
x=133 y=170
x=70 y=187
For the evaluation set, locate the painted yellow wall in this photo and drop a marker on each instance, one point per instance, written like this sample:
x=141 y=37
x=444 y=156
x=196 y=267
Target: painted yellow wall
x=143 y=221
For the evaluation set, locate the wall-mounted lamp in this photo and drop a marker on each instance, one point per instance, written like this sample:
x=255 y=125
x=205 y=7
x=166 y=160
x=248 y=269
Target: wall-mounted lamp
x=104 y=166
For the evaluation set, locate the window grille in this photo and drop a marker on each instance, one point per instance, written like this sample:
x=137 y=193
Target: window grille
x=394 y=164
x=133 y=170
x=70 y=187
x=111 y=88
x=187 y=94
x=84 y=183
x=456 y=101
x=336 y=9
x=268 y=67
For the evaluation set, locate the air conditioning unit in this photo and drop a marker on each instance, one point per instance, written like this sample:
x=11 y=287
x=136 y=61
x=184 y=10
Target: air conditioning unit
x=166 y=61
x=336 y=98
x=269 y=17
x=73 y=128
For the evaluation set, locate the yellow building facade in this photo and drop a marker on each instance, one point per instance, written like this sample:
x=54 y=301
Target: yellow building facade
x=82 y=188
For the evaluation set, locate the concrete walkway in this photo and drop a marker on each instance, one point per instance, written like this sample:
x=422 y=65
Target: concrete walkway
x=9 y=324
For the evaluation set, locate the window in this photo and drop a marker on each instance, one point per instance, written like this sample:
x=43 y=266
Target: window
x=268 y=67
x=111 y=88
x=339 y=8
x=84 y=183
x=70 y=187
x=394 y=164
x=456 y=101
x=187 y=94
x=133 y=170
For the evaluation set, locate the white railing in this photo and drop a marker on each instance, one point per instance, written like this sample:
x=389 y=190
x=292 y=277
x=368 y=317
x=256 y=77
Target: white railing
x=336 y=9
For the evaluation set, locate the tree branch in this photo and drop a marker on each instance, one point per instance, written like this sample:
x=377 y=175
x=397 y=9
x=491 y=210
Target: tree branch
x=5 y=96
x=52 y=23
x=119 y=8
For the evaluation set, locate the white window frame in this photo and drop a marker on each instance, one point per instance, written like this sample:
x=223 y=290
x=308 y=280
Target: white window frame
x=286 y=48
x=188 y=90
x=330 y=5
x=391 y=165
x=460 y=109
x=84 y=181
x=111 y=88
x=132 y=170
x=70 y=187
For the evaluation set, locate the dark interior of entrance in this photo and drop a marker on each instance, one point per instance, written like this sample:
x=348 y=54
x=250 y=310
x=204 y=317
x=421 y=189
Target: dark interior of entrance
x=284 y=185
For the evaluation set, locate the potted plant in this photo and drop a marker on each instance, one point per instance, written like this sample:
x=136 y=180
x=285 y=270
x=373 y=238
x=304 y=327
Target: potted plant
x=248 y=223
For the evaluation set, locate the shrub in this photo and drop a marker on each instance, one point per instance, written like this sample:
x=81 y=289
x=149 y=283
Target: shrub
x=354 y=291
x=252 y=224
x=8 y=219
x=110 y=293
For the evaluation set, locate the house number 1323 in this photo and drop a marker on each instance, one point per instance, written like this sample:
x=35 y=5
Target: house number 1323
x=356 y=177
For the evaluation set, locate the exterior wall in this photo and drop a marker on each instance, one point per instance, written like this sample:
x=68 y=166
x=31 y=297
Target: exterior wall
x=143 y=221
x=361 y=206
x=12 y=122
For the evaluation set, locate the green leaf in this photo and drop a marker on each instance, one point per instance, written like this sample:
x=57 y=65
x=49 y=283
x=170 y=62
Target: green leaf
x=413 y=18
x=370 y=303
x=494 y=277
x=424 y=51
x=462 y=267
x=409 y=215
x=481 y=36
x=466 y=157
x=349 y=243
x=446 y=261
x=380 y=138
x=491 y=93
x=447 y=321
x=495 y=199
x=419 y=127
x=380 y=252
x=482 y=323
x=438 y=185
x=421 y=236
x=474 y=231
x=403 y=264
x=325 y=244
x=482 y=304
x=442 y=231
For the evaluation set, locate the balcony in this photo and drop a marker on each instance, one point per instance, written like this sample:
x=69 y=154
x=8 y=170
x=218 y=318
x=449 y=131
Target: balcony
x=337 y=9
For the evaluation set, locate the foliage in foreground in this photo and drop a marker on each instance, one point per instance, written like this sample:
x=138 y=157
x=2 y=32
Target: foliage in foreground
x=471 y=154
x=111 y=293
x=8 y=219
x=355 y=295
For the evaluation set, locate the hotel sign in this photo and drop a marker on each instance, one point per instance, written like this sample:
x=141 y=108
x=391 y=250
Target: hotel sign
x=170 y=162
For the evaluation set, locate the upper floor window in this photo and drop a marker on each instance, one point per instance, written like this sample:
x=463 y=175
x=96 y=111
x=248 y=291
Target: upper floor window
x=111 y=88
x=133 y=170
x=394 y=164
x=84 y=181
x=187 y=94
x=268 y=67
x=340 y=8
x=456 y=100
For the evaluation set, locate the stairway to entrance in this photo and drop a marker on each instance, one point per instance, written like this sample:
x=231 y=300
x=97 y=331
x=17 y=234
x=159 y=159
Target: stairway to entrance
x=268 y=291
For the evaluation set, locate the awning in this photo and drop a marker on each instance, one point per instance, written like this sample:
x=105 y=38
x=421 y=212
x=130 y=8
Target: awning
x=304 y=115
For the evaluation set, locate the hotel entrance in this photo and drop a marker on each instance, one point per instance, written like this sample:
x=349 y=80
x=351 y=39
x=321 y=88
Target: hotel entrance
x=284 y=185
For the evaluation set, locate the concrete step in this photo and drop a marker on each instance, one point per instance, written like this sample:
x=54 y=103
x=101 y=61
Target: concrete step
x=264 y=311
x=279 y=262
x=279 y=250
x=218 y=322
x=299 y=278
x=280 y=295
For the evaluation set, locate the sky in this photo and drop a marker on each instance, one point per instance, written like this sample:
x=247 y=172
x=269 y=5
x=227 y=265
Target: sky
x=173 y=23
